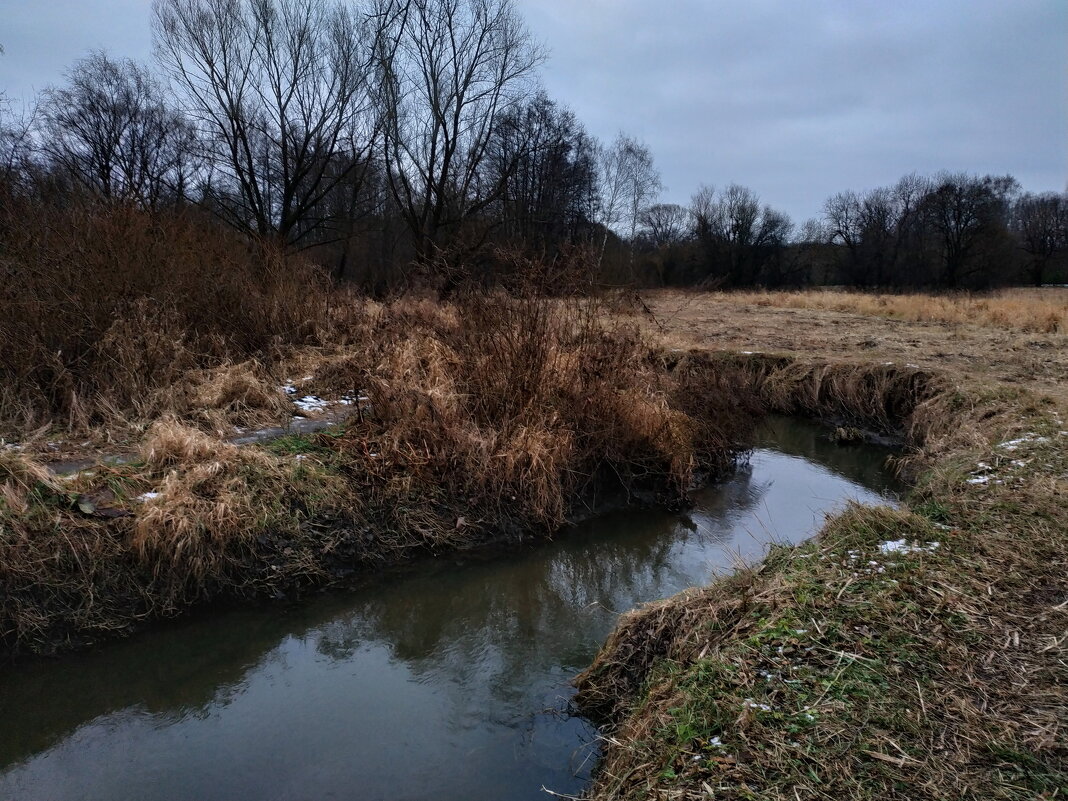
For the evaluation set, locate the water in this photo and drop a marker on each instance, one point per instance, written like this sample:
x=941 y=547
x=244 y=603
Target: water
x=448 y=683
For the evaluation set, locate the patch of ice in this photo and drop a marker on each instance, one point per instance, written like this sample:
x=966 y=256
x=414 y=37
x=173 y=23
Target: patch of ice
x=148 y=496
x=749 y=703
x=715 y=742
x=979 y=480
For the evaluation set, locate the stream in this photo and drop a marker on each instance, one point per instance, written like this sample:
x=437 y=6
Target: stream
x=450 y=681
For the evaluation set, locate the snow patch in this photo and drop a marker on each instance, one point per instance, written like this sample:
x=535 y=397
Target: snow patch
x=902 y=546
x=311 y=403
x=1029 y=438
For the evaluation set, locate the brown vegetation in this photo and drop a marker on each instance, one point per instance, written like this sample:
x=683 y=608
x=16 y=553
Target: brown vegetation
x=1030 y=310
x=986 y=353
x=106 y=312
x=495 y=415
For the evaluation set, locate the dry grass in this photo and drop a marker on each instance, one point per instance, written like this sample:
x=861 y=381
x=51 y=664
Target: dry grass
x=20 y=474
x=494 y=416
x=1030 y=310
x=843 y=669
x=986 y=356
x=109 y=314
x=213 y=499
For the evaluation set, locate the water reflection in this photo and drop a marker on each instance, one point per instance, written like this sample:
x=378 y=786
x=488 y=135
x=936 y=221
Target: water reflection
x=438 y=684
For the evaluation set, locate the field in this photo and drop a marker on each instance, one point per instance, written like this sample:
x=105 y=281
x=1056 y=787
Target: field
x=1015 y=337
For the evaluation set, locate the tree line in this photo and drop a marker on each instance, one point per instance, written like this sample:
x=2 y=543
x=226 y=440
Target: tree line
x=396 y=137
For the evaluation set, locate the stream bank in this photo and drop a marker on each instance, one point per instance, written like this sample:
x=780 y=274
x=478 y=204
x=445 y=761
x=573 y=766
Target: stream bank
x=902 y=654
x=450 y=681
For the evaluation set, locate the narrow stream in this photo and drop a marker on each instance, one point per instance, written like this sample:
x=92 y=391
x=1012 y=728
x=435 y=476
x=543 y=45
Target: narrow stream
x=448 y=683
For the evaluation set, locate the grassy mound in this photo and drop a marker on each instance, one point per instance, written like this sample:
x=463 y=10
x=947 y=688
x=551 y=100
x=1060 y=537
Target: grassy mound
x=902 y=654
x=489 y=418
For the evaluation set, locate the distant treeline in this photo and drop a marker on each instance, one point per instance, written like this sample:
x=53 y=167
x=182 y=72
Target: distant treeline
x=392 y=140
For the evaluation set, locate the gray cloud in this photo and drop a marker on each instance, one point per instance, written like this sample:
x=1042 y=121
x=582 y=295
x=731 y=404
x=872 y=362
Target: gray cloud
x=794 y=99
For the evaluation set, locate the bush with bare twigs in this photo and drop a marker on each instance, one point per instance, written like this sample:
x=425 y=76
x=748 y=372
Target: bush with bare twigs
x=105 y=307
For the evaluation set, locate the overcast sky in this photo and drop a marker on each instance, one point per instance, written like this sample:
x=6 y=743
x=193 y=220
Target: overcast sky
x=796 y=99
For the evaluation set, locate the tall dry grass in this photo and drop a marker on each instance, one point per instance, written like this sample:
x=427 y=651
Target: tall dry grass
x=497 y=414
x=106 y=309
x=1030 y=310
x=523 y=403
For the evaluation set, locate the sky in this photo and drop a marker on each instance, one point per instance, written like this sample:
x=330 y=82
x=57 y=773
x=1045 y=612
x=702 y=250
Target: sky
x=796 y=99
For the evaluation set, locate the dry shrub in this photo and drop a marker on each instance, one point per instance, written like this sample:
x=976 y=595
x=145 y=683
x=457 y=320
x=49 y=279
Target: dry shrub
x=522 y=404
x=103 y=306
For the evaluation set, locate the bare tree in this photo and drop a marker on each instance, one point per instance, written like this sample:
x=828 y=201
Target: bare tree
x=111 y=129
x=545 y=162
x=842 y=214
x=966 y=212
x=666 y=223
x=629 y=180
x=448 y=71
x=17 y=145
x=282 y=92
x=1040 y=223
x=739 y=237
